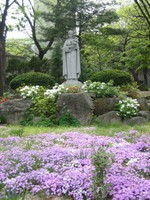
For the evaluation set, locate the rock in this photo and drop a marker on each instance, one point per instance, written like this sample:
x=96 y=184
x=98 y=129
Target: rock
x=104 y=105
x=135 y=120
x=145 y=114
x=13 y=109
x=109 y=117
x=79 y=104
x=143 y=104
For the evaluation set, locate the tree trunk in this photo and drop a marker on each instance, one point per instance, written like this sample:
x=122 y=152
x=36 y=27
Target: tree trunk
x=2 y=67
x=145 y=72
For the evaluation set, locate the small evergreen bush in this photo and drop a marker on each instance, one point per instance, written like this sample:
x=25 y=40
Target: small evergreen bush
x=119 y=77
x=32 y=78
x=67 y=119
x=2 y=119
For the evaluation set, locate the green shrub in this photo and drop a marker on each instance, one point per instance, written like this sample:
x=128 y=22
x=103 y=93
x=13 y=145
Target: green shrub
x=38 y=65
x=67 y=119
x=27 y=118
x=101 y=89
x=131 y=90
x=2 y=119
x=119 y=77
x=17 y=132
x=32 y=78
x=45 y=122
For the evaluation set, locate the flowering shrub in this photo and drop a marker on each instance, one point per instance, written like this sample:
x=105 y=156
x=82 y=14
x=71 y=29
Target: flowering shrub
x=127 y=107
x=29 y=91
x=60 y=89
x=55 y=91
x=101 y=89
x=61 y=165
x=44 y=105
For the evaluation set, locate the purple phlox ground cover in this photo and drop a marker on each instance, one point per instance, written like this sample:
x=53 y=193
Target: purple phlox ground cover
x=61 y=164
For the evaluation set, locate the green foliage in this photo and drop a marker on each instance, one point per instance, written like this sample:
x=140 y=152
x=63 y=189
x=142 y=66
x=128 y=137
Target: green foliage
x=15 y=66
x=46 y=122
x=136 y=51
x=17 y=132
x=32 y=78
x=38 y=65
x=15 y=195
x=131 y=90
x=44 y=107
x=19 y=47
x=119 y=77
x=2 y=119
x=101 y=89
x=27 y=118
x=67 y=119
x=56 y=63
x=101 y=161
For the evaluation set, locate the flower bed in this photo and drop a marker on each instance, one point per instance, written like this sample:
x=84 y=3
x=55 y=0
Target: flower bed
x=60 y=164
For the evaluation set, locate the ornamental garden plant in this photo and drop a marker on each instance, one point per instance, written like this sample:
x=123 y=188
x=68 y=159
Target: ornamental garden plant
x=44 y=101
x=128 y=107
x=77 y=165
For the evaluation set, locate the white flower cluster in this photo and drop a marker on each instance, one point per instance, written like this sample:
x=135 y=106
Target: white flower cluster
x=56 y=90
x=101 y=89
x=128 y=107
x=89 y=86
x=28 y=91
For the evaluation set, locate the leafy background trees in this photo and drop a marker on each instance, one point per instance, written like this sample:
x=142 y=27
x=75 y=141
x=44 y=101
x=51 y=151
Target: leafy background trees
x=108 y=39
x=4 y=9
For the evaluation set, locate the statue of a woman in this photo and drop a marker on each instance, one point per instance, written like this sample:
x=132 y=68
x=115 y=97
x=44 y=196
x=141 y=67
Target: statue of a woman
x=71 y=58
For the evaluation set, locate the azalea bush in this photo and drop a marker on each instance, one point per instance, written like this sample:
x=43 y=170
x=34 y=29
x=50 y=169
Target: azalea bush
x=66 y=164
x=101 y=89
x=127 y=107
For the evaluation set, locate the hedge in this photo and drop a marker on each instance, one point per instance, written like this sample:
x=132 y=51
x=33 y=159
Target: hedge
x=119 y=77
x=32 y=78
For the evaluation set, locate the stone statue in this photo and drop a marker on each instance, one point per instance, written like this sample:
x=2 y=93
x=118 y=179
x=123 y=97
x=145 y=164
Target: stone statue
x=71 y=59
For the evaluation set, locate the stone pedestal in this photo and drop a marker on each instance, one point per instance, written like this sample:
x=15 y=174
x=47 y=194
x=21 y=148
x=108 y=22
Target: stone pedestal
x=72 y=83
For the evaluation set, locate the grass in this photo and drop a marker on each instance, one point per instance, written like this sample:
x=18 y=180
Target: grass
x=100 y=129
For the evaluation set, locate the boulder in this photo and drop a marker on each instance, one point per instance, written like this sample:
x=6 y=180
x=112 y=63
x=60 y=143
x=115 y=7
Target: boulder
x=143 y=104
x=109 y=117
x=135 y=120
x=79 y=104
x=104 y=105
x=13 y=109
x=145 y=114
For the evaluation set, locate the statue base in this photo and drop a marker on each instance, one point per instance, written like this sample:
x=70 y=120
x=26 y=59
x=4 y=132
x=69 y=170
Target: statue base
x=72 y=83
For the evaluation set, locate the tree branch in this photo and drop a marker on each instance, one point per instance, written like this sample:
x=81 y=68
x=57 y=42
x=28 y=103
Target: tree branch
x=142 y=11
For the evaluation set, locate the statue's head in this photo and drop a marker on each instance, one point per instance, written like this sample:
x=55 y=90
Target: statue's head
x=70 y=34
